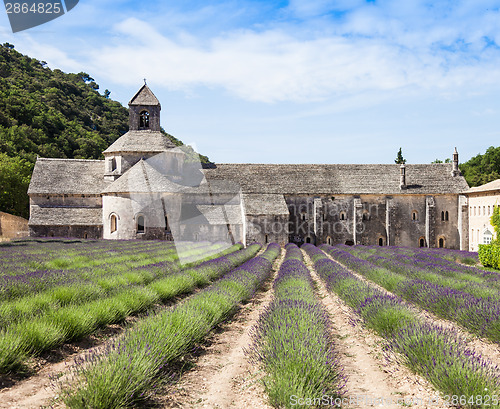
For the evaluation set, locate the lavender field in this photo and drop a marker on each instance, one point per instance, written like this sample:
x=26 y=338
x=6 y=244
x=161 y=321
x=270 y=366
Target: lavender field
x=55 y=292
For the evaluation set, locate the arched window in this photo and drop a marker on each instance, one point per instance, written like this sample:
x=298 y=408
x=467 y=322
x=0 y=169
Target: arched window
x=266 y=239
x=144 y=120
x=381 y=241
x=474 y=210
x=441 y=242
x=113 y=223
x=484 y=210
x=343 y=216
x=446 y=216
x=140 y=224
x=85 y=235
x=414 y=215
x=195 y=237
x=487 y=237
x=470 y=211
x=442 y=216
x=421 y=242
x=303 y=217
x=366 y=215
x=472 y=236
x=329 y=241
x=308 y=239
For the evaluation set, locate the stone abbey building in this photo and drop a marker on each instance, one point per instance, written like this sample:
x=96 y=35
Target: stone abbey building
x=147 y=188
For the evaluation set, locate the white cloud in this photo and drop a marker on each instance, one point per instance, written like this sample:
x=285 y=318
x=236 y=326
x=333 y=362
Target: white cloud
x=276 y=65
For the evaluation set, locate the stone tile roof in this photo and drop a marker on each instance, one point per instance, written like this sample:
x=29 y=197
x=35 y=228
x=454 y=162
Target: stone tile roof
x=67 y=176
x=213 y=215
x=487 y=187
x=339 y=179
x=141 y=141
x=144 y=97
x=63 y=216
x=265 y=204
x=144 y=177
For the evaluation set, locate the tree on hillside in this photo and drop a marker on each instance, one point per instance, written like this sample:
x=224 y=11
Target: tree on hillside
x=447 y=160
x=15 y=174
x=50 y=114
x=482 y=169
x=399 y=158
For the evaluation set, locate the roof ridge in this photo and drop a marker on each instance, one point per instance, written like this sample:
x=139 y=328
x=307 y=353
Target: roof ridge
x=70 y=159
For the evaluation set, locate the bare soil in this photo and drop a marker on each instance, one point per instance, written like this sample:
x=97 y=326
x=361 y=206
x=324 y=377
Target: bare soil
x=373 y=379
x=38 y=390
x=223 y=375
x=487 y=349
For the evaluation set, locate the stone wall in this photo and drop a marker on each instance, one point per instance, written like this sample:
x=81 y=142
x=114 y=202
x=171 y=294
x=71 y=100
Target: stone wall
x=12 y=227
x=397 y=220
x=81 y=232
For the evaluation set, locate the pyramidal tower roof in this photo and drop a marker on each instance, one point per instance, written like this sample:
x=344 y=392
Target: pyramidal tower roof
x=144 y=97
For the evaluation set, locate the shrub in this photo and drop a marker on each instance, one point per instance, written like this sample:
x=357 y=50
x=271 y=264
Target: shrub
x=489 y=255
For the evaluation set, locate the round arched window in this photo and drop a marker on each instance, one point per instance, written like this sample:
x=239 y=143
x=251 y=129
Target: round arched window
x=144 y=120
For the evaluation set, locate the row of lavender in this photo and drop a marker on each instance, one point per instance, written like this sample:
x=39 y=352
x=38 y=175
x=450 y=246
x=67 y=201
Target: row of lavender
x=127 y=371
x=437 y=354
x=101 y=265
x=38 y=323
x=431 y=260
x=478 y=314
x=293 y=340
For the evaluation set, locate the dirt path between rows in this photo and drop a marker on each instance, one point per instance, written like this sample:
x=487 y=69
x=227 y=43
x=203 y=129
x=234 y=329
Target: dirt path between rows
x=223 y=376
x=372 y=379
x=38 y=390
x=486 y=348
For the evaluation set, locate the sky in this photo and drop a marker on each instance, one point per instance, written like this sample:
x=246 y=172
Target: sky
x=299 y=81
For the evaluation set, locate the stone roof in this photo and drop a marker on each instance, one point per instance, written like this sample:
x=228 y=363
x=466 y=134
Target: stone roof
x=339 y=179
x=144 y=97
x=63 y=216
x=67 y=176
x=141 y=141
x=142 y=178
x=265 y=204
x=487 y=187
x=213 y=215
x=145 y=177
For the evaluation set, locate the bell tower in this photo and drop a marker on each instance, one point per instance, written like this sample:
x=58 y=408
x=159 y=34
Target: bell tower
x=144 y=111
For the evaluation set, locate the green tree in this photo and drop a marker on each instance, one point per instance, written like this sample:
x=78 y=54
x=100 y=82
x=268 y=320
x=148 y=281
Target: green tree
x=51 y=114
x=482 y=169
x=495 y=222
x=399 y=158
x=15 y=174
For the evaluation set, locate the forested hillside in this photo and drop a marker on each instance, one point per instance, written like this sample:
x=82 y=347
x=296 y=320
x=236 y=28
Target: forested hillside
x=51 y=114
x=483 y=168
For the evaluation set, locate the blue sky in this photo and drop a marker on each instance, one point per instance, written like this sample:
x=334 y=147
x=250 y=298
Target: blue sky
x=300 y=81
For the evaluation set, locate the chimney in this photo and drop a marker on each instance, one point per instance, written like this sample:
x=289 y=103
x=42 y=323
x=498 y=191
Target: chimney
x=455 y=171
x=402 y=176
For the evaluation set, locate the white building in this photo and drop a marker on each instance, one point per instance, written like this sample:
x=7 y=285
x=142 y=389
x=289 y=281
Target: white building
x=482 y=201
